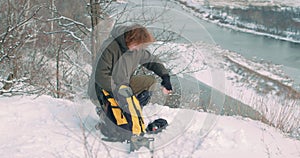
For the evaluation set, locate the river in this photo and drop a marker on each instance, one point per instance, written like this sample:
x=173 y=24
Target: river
x=249 y=45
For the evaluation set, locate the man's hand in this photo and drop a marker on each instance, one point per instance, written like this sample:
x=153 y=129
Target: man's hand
x=166 y=83
x=165 y=91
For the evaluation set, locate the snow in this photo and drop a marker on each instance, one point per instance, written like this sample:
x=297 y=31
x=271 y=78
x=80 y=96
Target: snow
x=122 y=1
x=48 y=127
x=235 y=23
x=296 y=19
x=239 y=3
x=200 y=59
x=256 y=83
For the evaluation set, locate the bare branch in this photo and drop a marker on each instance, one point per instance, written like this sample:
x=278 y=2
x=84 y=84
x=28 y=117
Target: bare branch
x=71 y=22
x=73 y=35
x=19 y=24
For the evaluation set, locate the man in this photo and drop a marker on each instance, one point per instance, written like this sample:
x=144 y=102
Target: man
x=121 y=54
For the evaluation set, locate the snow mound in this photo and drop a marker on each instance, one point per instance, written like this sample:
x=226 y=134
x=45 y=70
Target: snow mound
x=48 y=127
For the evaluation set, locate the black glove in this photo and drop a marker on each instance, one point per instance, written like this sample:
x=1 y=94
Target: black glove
x=156 y=126
x=166 y=82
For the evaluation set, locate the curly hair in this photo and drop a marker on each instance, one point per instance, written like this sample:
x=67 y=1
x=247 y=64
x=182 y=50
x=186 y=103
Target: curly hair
x=138 y=34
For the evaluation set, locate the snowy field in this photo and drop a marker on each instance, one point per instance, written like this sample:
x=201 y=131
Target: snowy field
x=48 y=127
x=58 y=128
x=52 y=128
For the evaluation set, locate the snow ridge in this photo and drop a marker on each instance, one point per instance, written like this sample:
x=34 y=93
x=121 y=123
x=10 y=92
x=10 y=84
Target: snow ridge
x=48 y=127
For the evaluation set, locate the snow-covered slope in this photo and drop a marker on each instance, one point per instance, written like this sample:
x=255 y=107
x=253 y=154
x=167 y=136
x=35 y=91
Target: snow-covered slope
x=257 y=83
x=243 y=16
x=239 y=3
x=47 y=127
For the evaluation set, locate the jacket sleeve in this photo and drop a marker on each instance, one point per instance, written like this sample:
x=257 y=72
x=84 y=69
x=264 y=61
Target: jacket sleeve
x=152 y=62
x=103 y=70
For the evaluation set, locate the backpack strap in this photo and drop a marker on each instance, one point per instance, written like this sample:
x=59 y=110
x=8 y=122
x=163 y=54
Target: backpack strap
x=138 y=125
x=116 y=110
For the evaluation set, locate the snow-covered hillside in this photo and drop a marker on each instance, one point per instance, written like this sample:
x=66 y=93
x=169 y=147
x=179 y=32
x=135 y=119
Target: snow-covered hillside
x=261 y=85
x=239 y=3
x=52 y=128
x=260 y=17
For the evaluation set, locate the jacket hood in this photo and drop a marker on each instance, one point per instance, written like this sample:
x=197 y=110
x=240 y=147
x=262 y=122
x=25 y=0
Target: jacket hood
x=118 y=34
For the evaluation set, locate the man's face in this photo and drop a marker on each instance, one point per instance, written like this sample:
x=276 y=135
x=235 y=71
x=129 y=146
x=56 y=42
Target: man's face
x=137 y=47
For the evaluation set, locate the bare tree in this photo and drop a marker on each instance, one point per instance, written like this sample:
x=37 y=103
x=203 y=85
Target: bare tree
x=16 y=34
x=64 y=39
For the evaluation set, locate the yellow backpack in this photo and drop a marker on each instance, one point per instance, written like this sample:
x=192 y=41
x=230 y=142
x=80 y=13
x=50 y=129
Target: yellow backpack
x=129 y=118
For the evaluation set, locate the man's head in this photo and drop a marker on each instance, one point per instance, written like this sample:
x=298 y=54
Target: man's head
x=138 y=37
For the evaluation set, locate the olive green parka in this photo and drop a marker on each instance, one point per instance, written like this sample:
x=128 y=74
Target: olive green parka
x=116 y=63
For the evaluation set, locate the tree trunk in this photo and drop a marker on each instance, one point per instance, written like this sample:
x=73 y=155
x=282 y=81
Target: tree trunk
x=57 y=74
x=52 y=23
x=101 y=27
x=95 y=19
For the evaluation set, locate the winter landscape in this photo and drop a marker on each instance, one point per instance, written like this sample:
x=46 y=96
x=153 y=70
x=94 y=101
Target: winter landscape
x=226 y=102
x=48 y=127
